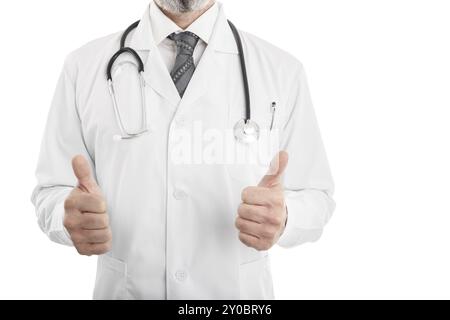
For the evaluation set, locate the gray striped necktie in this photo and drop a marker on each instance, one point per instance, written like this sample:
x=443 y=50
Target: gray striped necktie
x=184 y=64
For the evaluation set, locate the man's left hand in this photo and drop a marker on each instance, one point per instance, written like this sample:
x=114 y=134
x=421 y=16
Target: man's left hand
x=262 y=215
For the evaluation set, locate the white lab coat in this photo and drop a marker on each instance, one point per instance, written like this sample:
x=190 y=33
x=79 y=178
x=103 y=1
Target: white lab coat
x=173 y=223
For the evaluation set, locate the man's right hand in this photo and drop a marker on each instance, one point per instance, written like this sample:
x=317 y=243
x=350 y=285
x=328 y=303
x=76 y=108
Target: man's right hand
x=85 y=215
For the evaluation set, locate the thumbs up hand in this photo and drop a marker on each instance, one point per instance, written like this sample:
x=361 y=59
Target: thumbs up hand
x=262 y=215
x=85 y=216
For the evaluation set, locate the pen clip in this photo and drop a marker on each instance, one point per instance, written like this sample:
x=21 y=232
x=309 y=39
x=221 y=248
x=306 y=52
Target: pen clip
x=273 y=109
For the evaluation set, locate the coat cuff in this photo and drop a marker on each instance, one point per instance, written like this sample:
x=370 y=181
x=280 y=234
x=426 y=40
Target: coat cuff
x=298 y=229
x=58 y=232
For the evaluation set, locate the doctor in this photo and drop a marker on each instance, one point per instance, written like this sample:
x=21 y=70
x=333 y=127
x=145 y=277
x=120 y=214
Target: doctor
x=185 y=210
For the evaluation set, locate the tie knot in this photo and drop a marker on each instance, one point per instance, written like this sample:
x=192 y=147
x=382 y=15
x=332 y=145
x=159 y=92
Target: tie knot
x=185 y=41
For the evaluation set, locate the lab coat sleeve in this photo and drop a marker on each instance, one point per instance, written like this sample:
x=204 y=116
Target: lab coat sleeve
x=62 y=140
x=307 y=180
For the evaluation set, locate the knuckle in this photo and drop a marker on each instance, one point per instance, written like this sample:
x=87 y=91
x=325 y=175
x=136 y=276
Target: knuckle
x=258 y=247
x=102 y=205
x=274 y=219
x=82 y=250
x=266 y=245
x=79 y=250
x=100 y=202
x=263 y=245
x=267 y=232
x=77 y=238
x=278 y=199
x=69 y=203
x=241 y=209
x=238 y=223
x=246 y=192
x=67 y=222
x=244 y=239
x=277 y=220
x=102 y=248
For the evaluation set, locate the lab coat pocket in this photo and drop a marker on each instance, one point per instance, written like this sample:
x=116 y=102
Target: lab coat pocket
x=250 y=162
x=111 y=281
x=256 y=280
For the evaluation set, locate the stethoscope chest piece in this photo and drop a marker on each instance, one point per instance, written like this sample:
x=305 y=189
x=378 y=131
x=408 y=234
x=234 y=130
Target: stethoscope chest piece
x=246 y=131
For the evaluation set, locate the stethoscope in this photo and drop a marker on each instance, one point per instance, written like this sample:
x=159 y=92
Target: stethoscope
x=245 y=130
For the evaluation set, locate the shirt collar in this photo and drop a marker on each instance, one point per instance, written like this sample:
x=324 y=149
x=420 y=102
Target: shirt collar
x=162 y=26
x=221 y=39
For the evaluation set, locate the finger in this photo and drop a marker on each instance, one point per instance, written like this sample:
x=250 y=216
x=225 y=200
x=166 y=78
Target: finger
x=86 y=202
x=248 y=227
x=82 y=171
x=73 y=219
x=256 y=196
x=249 y=240
x=253 y=213
x=276 y=170
x=97 y=236
x=89 y=249
x=94 y=221
x=91 y=236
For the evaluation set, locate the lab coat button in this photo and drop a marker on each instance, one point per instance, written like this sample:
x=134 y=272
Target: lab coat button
x=181 y=275
x=179 y=194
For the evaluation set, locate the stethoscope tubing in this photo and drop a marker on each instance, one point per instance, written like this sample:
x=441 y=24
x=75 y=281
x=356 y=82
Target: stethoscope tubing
x=240 y=47
x=117 y=55
x=140 y=65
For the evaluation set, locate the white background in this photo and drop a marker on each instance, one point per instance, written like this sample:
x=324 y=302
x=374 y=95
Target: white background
x=379 y=73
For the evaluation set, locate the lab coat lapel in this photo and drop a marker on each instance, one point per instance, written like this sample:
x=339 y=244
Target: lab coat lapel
x=156 y=73
x=209 y=67
x=204 y=73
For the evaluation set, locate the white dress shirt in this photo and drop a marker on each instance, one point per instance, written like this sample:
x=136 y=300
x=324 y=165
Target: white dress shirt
x=162 y=27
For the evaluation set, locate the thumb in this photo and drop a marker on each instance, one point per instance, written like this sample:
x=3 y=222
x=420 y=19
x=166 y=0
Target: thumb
x=82 y=171
x=276 y=170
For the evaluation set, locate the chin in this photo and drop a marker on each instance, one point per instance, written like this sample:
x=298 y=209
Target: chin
x=181 y=6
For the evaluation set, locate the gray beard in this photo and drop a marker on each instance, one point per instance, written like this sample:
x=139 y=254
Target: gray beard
x=181 y=6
